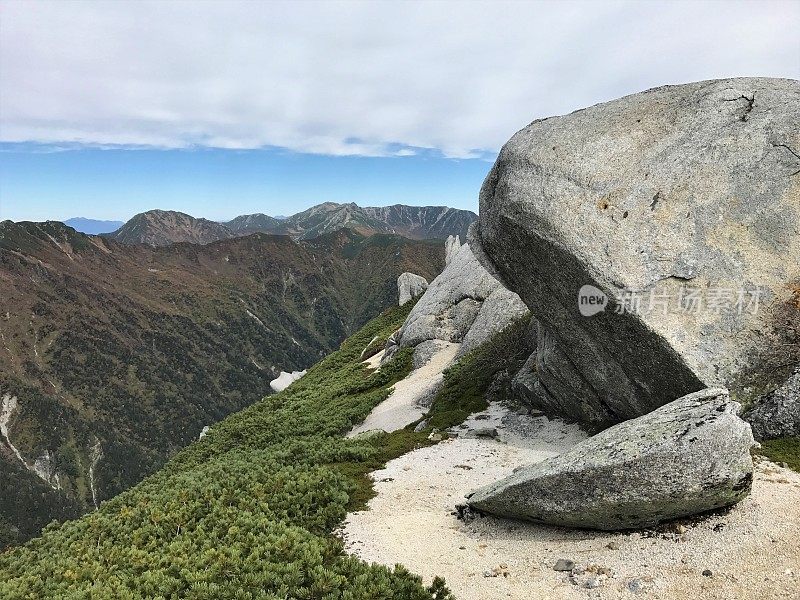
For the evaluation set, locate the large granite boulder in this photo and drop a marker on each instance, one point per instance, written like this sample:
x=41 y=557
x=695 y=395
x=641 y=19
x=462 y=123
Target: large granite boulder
x=684 y=199
x=465 y=304
x=689 y=456
x=409 y=286
x=777 y=415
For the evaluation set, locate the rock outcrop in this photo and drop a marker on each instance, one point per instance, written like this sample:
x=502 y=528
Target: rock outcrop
x=689 y=456
x=465 y=304
x=451 y=247
x=409 y=286
x=684 y=199
x=778 y=413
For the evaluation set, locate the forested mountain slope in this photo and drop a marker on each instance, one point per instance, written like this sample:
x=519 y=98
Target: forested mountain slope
x=245 y=512
x=113 y=357
x=248 y=511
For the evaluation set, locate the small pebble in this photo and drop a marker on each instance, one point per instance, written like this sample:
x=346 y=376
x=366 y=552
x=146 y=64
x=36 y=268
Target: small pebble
x=592 y=583
x=707 y=573
x=564 y=564
x=636 y=586
x=613 y=545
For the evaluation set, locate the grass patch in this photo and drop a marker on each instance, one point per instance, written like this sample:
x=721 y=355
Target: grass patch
x=247 y=512
x=783 y=450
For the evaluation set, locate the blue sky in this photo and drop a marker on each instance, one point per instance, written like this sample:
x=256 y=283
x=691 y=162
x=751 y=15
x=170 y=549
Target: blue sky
x=220 y=184
x=219 y=108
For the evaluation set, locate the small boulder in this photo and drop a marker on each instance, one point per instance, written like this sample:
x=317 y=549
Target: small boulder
x=480 y=432
x=687 y=457
x=564 y=564
x=421 y=426
x=410 y=286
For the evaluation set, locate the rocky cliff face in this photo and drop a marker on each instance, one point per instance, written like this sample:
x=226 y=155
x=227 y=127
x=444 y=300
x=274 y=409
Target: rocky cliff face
x=680 y=208
x=423 y=222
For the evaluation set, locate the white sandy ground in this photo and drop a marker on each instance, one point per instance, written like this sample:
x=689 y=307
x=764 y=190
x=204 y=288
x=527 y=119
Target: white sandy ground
x=403 y=404
x=752 y=551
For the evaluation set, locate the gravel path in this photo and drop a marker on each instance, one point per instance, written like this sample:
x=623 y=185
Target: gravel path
x=404 y=404
x=749 y=552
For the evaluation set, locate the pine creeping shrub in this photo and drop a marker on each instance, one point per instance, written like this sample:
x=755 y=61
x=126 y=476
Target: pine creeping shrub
x=783 y=450
x=467 y=383
x=247 y=512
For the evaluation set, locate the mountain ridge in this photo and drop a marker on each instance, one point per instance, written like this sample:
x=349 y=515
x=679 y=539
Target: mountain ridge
x=163 y=227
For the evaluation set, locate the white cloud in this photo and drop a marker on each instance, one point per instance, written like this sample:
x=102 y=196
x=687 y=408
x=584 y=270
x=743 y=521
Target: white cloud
x=357 y=78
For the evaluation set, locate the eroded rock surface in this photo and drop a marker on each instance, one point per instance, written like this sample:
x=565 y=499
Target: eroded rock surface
x=465 y=304
x=777 y=415
x=409 y=286
x=689 y=456
x=451 y=247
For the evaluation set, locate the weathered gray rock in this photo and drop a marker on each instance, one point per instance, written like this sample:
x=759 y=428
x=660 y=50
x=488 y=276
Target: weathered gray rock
x=777 y=415
x=564 y=564
x=689 y=456
x=464 y=304
x=451 y=247
x=523 y=384
x=480 y=432
x=499 y=310
x=409 y=286
x=677 y=189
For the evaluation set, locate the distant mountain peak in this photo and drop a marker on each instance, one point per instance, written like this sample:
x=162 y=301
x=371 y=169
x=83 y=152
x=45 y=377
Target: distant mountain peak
x=164 y=227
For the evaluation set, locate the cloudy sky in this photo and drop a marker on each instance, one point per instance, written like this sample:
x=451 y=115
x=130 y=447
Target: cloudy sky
x=221 y=108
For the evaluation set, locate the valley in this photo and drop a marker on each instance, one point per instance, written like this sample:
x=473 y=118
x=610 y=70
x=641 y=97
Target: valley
x=114 y=356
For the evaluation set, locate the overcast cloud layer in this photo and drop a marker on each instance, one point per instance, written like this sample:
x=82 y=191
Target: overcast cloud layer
x=372 y=79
